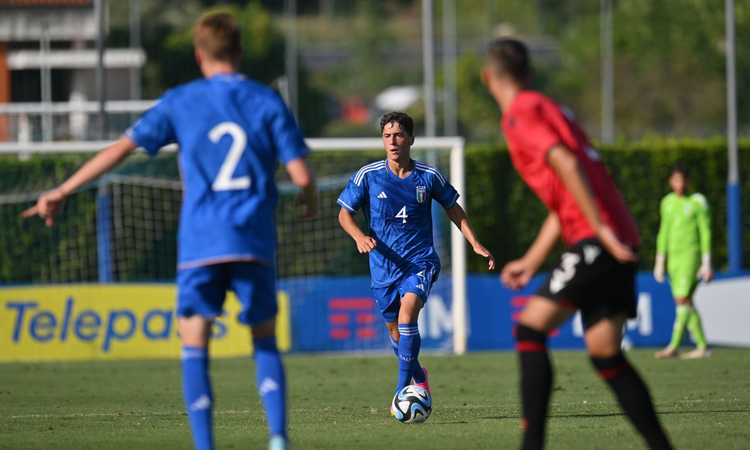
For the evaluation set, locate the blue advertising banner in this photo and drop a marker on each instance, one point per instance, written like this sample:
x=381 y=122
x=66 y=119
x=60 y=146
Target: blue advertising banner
x=493 y=308
x=340 y=314
x=335 y=314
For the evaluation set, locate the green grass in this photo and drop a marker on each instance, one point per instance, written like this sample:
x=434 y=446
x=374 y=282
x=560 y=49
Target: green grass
x=342 y=403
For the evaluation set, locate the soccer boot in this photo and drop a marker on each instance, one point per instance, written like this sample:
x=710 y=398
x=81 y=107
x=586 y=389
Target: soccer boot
x=278 y=443
x=668 y=352
x=698 y=353
x=426 y=384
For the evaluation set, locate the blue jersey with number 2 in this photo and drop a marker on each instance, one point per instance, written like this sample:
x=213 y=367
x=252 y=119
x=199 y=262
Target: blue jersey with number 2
x=232 y=132
x=400 y=216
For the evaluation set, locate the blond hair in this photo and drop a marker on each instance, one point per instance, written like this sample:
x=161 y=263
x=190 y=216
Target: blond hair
x=217 y=35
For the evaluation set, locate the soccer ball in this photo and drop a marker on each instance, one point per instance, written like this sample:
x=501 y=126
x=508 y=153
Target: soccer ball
x=411 y=404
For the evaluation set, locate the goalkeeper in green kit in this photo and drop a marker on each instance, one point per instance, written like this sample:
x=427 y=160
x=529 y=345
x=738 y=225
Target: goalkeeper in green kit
x=684 y=244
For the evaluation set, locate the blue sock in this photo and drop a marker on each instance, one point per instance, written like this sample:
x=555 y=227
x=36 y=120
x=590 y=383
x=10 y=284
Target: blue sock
x=408 y=351
x=419 y=376
x=196 y=388
x=394 y=345
x=269 y=375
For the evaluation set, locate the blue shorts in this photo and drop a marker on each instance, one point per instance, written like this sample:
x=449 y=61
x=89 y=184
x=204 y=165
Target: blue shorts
x=418 y=281
x=202 y=290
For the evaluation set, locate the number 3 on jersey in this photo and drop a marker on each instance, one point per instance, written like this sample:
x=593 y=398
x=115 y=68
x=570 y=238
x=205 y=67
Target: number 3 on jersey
x=402 y=214
x=224 y=180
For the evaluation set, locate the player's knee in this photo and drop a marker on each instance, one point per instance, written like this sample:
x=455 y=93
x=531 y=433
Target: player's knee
x=264 y=329
x=610 y=367
x=194 y=331
x=543 y=314
x=411 y=304
x=529 y=339
x=603 y=347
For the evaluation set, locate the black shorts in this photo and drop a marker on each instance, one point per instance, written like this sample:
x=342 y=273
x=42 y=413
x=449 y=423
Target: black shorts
x=588 y=278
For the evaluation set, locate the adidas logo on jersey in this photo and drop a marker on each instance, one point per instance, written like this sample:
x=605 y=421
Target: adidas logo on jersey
x=382 y=195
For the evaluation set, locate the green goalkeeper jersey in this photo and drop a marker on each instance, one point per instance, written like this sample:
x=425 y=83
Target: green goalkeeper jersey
x=685 y=229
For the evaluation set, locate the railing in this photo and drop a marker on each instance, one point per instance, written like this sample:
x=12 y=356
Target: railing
x=25 y=123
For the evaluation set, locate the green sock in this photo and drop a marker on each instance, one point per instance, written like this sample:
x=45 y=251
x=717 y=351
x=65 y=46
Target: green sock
x=695 y=327
x=680 y=321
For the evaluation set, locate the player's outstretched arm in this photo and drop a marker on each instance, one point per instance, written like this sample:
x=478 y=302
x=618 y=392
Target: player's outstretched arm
x=49 y=202
x=303 y=177
x=458 y=216
x=516 y=274
x=365 y=243
x=566 y=165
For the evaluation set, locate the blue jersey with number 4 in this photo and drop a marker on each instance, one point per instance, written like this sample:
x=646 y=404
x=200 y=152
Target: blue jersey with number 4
x=232 y=132
x=400 y=216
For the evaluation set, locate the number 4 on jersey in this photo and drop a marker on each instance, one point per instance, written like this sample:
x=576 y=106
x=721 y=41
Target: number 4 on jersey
x=224 y=181
x=402 y=214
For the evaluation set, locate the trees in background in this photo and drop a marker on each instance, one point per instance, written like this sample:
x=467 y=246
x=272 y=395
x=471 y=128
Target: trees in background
x=669 y=56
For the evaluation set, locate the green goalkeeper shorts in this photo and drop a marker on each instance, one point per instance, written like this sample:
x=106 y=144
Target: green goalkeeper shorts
x=683 y=274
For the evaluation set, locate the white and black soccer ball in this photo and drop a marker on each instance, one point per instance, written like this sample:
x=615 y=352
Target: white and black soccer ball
x=412 y=404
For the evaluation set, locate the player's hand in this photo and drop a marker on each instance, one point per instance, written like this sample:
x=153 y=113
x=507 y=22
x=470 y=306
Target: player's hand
x=612 y=244
x=47 y=206
x=705 y=273
x=309 y=203
x=516 y=274
x=366 y=244
x=659 y=269
x=480 y=250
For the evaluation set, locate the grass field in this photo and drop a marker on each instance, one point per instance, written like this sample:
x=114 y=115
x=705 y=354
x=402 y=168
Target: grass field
x=342 y=403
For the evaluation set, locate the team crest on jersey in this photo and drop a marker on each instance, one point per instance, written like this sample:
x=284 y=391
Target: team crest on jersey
x=421 y=194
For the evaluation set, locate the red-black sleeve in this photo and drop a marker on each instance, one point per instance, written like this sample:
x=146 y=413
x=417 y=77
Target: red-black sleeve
x=533 y=133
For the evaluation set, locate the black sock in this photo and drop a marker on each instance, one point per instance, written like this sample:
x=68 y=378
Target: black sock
x=633 y=396
x=536 y=384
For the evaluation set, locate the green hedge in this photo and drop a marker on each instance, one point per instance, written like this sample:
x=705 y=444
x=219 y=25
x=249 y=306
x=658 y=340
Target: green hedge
x=507 y=215
x=503 y=210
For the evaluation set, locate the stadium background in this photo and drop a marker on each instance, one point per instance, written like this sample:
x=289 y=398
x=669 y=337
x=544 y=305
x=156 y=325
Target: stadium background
x=87 y=332
x=340 y=64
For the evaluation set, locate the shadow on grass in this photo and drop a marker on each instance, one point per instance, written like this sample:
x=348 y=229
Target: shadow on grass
x=610 y=414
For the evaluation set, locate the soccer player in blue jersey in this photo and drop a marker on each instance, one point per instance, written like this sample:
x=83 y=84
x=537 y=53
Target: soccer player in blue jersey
x=396 y=196
x=231 y=133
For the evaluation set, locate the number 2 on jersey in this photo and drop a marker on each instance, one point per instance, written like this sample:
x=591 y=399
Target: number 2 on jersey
x=224 y=181
x=402 y=214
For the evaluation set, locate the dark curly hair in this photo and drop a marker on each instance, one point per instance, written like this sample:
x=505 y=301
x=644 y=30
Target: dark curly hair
x=403 y=119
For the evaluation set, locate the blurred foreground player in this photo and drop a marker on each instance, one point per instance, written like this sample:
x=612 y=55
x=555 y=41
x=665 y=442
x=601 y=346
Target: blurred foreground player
x=231 y=132
x=683 y=245
x=596 y=274
x=396 y=196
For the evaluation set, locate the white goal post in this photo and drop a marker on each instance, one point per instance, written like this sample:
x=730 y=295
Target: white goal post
x=454 y=145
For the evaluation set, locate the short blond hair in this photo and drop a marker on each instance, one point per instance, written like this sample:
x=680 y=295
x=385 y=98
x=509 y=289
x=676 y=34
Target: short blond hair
x=216 y=33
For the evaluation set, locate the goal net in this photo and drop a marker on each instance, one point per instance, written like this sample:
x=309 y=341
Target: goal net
x=123 y=228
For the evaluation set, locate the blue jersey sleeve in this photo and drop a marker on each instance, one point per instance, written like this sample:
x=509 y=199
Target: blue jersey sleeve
x=353 y=195
x=287 y=137
x=443 y=192
x=153 y=130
